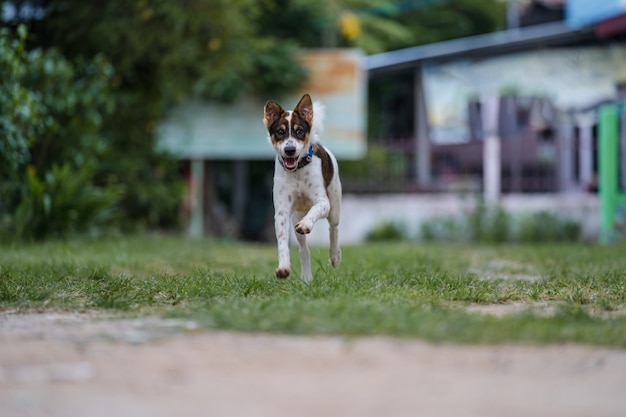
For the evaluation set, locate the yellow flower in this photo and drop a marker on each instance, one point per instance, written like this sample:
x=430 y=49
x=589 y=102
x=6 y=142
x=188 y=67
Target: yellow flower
x=214 y=44
x=350 y=25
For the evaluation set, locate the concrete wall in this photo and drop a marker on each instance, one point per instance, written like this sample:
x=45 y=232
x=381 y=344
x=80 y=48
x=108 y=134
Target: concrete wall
x=360 y=213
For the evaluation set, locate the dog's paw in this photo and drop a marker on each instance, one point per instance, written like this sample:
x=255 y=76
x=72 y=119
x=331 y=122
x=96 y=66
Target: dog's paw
x=335 y=258
x=306 y=277
x=303 y=228
x=283 y=273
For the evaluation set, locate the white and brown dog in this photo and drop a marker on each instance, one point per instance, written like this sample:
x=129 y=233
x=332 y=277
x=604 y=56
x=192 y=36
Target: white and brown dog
x=306 y=181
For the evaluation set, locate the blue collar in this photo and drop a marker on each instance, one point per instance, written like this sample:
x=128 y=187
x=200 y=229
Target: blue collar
x=302 y=162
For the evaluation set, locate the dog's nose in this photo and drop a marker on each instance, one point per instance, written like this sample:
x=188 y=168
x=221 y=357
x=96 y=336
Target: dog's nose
x=290 y=150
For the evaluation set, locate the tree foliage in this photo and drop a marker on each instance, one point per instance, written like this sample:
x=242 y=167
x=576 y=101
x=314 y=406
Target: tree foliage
x=51 y=115
x=19 y=107
x=166 y=49
x=387 y=26
x=162 y=52
x=101 y=75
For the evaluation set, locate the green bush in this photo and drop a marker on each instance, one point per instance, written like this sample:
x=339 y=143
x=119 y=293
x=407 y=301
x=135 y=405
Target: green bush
x=544 y=226
x=489 y=224
x=496 y=225
x=62 y=203
x=386 y=231
x=20 y=120
x=51 y=115
x=444 y=228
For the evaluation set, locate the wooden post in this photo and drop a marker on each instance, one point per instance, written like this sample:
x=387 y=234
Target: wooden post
x=512 y=15
x=240 y=191
x=565 y=157
x=491 y=151
x=422 y=141
x=585 y=150
x=196 y=221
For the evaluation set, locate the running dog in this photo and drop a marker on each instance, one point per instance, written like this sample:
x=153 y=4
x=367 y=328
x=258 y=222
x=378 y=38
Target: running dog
x=306 y=181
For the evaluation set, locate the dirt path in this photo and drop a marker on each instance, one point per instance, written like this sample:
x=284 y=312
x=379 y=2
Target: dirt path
x=72 y=365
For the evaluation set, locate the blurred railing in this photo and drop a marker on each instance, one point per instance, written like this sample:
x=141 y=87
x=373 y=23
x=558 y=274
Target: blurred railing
x=529 y=164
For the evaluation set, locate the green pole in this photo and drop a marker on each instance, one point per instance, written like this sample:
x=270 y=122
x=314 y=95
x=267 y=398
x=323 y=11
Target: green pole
x=607 y=170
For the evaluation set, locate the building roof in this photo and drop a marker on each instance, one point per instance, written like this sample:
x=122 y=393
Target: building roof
x=512 y=40
x=584 y=12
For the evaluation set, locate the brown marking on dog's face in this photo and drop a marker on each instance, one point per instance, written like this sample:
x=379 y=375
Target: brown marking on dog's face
x=305 y=109
x=328 y=171
x=302 y=120
x=290 y=130
x=272 y=112
x=275 y=120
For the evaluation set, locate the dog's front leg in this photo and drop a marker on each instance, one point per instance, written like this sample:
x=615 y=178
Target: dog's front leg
x=319 y=210
x=281 y=225
x=305 y=255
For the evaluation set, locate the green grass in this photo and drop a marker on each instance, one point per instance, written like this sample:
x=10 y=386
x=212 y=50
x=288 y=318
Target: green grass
x=399 y=289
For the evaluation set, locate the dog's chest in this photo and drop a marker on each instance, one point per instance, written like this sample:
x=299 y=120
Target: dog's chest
x=303 y=200
x=300 y=189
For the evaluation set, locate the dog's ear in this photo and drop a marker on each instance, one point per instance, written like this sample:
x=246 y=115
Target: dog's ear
x=305 y=108
x=272 y=113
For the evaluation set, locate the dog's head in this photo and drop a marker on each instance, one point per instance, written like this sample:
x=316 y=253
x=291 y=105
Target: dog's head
x=290 y=132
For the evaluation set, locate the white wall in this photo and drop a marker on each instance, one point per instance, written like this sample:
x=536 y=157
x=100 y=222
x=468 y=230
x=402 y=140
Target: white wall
x=360 y=213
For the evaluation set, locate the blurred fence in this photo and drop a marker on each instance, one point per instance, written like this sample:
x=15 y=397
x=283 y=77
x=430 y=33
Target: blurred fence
x=546 y=156
x=529 y=164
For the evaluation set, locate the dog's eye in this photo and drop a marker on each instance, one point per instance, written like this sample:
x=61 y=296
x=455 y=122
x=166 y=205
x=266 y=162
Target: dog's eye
x=299 y=132
x=280 y=132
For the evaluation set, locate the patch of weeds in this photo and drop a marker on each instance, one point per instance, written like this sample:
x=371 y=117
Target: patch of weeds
x=386 y=231
x=545 y=226
x=489 y=224
x=8 y=290
x=444 y=229
x=493 y=224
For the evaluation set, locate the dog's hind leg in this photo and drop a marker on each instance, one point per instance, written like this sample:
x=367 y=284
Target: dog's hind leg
x=305 y=255
x=334 y=251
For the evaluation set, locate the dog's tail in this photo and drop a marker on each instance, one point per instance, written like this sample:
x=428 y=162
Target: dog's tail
x=319 y=114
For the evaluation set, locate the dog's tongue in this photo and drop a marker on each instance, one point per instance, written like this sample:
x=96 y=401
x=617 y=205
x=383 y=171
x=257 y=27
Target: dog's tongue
x=290 y=163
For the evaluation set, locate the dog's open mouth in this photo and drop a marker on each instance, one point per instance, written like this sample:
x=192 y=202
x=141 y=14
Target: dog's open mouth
x=290 y=163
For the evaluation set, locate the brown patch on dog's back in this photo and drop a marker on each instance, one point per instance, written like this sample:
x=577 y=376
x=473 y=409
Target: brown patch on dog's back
x=328 y=171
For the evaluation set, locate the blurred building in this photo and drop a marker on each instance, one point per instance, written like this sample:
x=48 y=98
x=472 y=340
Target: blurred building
x=511 y=115
x=549 y=73
x=226 y=156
